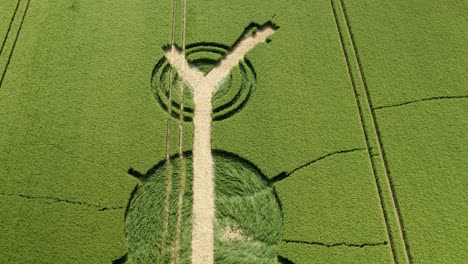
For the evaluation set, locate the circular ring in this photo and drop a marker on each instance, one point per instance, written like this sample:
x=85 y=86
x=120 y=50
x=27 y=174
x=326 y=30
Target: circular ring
x=230 y=97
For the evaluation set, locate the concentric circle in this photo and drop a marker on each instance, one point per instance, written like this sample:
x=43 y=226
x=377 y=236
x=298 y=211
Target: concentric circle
x=231 y=96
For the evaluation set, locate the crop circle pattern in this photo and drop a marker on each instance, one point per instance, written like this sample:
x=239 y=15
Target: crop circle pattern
x=231 y=96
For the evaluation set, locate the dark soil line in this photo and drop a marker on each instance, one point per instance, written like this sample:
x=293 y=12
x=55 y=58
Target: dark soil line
x=285 y=175
x=345 y=244
x=50 y=200
x=422 y=100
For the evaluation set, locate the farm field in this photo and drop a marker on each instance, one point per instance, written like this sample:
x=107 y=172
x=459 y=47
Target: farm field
x=358 y=118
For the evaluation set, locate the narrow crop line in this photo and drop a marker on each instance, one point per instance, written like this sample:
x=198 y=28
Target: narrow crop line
x=363 y=245
x=183 y=169
x=444 y=97
x=14 y=43
x=9 y=26
x=285 y=175
x=184 y=24
x=377 y=134
x=180 y=204
x=50 y=200
x=366 y=136
x=181 y=84
x=171 y=83
x=169 y=169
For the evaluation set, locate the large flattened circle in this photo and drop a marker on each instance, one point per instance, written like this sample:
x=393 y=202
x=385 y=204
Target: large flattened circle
x=248 y=223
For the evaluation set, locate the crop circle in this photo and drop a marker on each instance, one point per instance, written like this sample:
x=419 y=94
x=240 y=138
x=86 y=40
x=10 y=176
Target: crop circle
x=230 y=97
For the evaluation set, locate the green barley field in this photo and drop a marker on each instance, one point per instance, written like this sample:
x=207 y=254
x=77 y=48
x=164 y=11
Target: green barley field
x=356 y=112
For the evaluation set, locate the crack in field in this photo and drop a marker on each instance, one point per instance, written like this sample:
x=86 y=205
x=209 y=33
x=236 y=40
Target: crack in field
x=58 y=200
x=421 y=100
x=384 y=243
x=285 y=175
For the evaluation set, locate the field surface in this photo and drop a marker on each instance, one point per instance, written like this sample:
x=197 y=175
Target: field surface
x=359 y=116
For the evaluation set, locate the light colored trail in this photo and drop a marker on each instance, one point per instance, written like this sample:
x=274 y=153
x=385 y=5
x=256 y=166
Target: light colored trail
x=203 y=86
x=196 y=78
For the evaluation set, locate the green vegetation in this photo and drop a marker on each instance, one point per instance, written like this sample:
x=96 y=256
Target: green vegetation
x=8 y=8
x=414 y=61
x=77 y=110
x=433 y=197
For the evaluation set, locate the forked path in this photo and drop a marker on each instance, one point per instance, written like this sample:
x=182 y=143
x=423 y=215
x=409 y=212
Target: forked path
x=203 y=87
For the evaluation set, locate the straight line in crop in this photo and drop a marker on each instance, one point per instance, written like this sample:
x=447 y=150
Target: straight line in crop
x=375 y=130
x=183 y=170
x=9 y=26
x=169 y=170
x=362 y=121
x=14 y=44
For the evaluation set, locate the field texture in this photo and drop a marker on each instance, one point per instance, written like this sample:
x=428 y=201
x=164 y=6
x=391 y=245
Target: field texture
x=358 y=117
